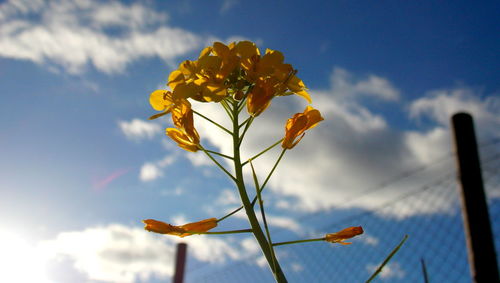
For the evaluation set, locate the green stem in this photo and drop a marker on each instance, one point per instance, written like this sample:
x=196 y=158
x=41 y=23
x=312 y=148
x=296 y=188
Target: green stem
x=262 y=152
x=244 y=122
x=220 y=154
x=262 y=212
x=227 y=108
x=298 y=241
x=241 y=104
x=217 y=163
x=270 y=173
x=394 y=251
x=254 y=223
x=247 y=125
x=212 y=121
x=229 y=214
x=272 y=170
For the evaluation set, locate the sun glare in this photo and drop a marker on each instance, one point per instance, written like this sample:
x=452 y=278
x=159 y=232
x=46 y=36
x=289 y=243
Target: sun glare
x=20 y=262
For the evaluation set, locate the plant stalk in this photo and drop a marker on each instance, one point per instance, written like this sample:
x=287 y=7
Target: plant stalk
x=252 y=218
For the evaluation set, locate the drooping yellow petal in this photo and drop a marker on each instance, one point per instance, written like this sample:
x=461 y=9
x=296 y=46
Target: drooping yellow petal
x=341 y=236
x=297 y=86
x=298 y=124
x=161 y=227
x=182 y=139
x=260 y=97
x=181 y=231
x=200 y=226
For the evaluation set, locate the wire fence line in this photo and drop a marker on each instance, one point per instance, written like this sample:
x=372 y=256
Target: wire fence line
x=436 y=238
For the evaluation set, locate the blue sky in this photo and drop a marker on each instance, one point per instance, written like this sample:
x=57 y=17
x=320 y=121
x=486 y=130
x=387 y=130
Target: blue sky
x=81 y=163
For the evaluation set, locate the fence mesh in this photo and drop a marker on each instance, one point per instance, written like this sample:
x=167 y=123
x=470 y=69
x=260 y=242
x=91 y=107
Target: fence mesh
x=436 y=239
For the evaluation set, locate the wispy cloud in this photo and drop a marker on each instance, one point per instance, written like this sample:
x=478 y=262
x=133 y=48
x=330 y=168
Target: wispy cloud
x=153 y=170
x=346 y=84
x=118 y=253
x=138 y=129
x=73 y=35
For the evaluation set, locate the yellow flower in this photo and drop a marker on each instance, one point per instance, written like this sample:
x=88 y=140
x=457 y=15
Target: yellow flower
x=260 y=97
x=205 y=79
x=343 y=235
x=212 y=71
x=181 y=231
x=164 y=100
x=298 y=87
x=183 y=140
x=185 y=133
x=182 y=81
x=298 y=124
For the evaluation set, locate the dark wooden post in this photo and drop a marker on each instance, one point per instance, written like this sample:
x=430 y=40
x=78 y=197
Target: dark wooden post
x=180 y=263
x=480 y=245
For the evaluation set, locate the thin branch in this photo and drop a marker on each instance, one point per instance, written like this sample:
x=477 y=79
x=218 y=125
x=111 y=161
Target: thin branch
x=247 y=125
x=221 y=232
x=213 y=122
x=298 y=241
x=269 y=176
x=229 y=214
x=262 y=152
x=227 y=108
x=220 y=154
x=217 y=163
x=394 y=251
x=262 y=212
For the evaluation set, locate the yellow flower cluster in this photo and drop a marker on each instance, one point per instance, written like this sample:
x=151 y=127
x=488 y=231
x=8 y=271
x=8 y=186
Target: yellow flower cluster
x=236 y=71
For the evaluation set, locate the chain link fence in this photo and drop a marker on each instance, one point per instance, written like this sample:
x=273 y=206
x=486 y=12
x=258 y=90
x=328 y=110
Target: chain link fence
x=436 y=239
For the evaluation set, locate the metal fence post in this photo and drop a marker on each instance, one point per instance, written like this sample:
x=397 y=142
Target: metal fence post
x=480 y=245
x=180 y=263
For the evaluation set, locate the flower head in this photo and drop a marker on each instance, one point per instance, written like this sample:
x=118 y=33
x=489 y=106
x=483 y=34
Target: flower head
x=343 y=235
x=298 y=124
x=181 y=231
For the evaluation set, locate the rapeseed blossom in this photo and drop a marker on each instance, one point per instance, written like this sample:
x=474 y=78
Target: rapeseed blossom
x=181 y=231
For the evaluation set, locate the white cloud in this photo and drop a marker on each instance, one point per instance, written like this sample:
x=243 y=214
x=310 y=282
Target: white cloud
x=153 y=170
x=108 y=35
x=115 y=253
x=354 y=149
x=345 y=84
x=390 y=271
x=138 y=129
x=440 y=105
x=228 y=197
x=369 y=240
x=118 y=253
x=149 y=172
x=198 y=159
